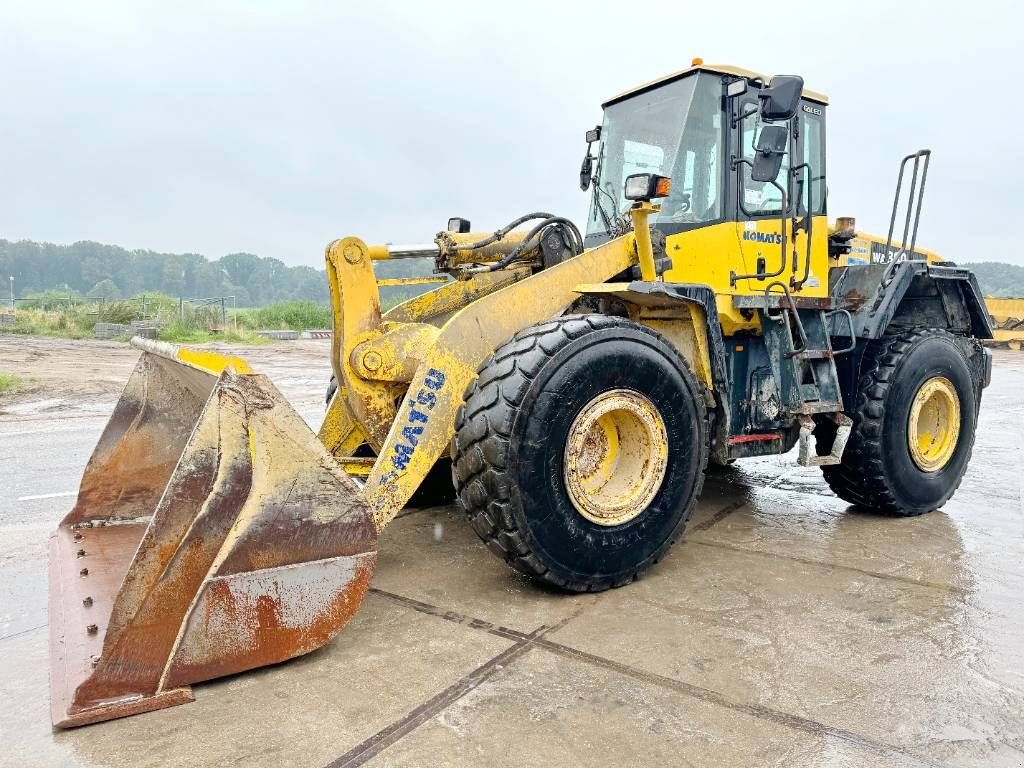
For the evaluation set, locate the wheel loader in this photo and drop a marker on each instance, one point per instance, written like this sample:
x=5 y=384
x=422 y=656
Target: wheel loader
x=576 y=383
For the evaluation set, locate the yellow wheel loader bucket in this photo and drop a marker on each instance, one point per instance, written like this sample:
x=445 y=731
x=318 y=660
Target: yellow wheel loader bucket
x=213 y=533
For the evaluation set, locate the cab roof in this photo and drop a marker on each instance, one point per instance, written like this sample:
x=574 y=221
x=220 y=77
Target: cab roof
x=718 y=69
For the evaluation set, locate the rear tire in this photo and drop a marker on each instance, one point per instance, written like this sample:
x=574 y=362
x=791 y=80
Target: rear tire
x=880 y=471
x=513 y=473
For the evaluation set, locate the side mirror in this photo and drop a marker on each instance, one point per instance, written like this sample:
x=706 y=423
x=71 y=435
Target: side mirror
x=586 y=172
x=771 y=147
x=587 y=169
x=780 y=100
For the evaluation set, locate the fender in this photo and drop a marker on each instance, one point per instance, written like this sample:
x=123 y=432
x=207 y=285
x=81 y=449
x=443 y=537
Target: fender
x=913 y=294
x=686 y=314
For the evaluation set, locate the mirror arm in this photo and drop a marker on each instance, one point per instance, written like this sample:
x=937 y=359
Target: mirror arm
x=737 y=119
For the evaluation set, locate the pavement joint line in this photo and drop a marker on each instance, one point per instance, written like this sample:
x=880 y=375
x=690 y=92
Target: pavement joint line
x=453 y=616
x=23 y=632
x=711 y=696
x=836 y=566
x=449 y=615
x=407 y=512
x=371 y=747
x=396 y=731
x=720 y=515
x=470 y=621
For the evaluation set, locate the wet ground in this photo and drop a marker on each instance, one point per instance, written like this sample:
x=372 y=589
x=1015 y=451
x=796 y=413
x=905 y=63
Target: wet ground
x=785 y=629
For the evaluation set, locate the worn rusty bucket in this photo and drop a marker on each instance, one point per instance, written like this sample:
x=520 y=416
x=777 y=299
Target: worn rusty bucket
x=213 y=533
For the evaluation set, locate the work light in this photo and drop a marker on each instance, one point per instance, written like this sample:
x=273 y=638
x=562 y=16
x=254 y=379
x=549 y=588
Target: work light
x=647 y=186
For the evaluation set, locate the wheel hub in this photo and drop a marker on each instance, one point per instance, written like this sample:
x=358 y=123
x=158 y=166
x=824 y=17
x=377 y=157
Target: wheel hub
x=934 y=425
x=616 y=456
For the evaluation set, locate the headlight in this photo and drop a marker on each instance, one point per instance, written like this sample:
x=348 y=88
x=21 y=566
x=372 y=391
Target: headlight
x=647 y=186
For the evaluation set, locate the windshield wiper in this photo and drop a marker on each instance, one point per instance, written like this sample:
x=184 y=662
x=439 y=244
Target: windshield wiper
x=608 y=226
x=610 y=222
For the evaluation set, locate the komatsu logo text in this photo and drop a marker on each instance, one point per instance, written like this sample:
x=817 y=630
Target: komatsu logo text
x=420 y=407
x=763 y=237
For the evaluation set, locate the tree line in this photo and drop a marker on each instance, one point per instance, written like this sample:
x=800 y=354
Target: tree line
x=999 y=279
x=97 y=270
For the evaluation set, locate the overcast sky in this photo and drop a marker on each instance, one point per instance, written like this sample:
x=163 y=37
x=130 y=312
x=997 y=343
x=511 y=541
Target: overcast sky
x=274 y=127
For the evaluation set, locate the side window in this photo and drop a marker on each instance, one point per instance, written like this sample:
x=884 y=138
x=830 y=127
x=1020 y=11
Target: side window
x=813 y=138
x=758 y=198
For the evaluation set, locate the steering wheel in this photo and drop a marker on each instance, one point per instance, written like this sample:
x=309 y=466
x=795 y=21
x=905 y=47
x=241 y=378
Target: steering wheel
x=683 y=212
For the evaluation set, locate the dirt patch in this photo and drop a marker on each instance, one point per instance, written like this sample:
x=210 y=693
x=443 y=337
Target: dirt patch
x=76 y=371
x=64 y=369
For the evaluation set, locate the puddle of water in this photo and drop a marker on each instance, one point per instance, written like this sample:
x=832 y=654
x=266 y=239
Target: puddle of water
x=66 y=407
x=33 y=407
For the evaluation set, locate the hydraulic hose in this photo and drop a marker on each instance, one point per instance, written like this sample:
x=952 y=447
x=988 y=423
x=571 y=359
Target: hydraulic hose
x=498 y=234
x=537 y=229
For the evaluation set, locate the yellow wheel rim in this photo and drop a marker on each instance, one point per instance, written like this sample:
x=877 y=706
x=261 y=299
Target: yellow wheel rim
x=616 y=455
x=934 y=424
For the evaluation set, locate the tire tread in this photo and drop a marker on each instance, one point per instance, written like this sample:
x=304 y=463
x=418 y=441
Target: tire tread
x=860 y=479
x=481 y=448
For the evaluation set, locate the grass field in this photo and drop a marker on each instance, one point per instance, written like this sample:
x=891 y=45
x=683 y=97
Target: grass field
x=78 y=321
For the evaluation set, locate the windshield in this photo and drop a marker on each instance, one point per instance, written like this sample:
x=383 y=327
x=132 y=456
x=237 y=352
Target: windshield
x=674 y=130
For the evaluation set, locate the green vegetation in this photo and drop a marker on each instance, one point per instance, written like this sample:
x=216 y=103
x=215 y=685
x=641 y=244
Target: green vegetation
x=88 y=269
x=999 y=279
x=187 y=332
x=38 y=322
x=192 y=326
x=11 y=384
x=53 y=273
x=64 y=290
x=294 y=315
x=74 y=321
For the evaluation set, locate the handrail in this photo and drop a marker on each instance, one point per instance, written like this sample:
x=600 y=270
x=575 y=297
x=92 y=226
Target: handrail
x=919 y=156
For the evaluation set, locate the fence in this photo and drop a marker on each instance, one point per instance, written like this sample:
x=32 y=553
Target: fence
x=210 y=312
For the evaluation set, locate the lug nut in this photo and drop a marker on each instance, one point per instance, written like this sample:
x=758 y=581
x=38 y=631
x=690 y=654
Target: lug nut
x=84 y=572
x=80 y=553
x=87 y=602
x=92 y=629
x=78 y=536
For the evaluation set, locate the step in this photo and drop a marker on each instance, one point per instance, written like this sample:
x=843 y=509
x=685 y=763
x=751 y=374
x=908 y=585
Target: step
x=808 y=455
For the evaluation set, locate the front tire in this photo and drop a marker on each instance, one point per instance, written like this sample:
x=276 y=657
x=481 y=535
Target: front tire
x=914 y=423
x=580 y=451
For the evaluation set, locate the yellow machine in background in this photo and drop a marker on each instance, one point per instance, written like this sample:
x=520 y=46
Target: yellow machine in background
x=576 y=384
x=1007 y=321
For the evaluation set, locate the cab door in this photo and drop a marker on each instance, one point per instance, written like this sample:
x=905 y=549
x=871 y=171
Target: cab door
x=758 y=206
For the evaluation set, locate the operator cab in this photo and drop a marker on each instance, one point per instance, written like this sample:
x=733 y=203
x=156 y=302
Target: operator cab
x=700 y=128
